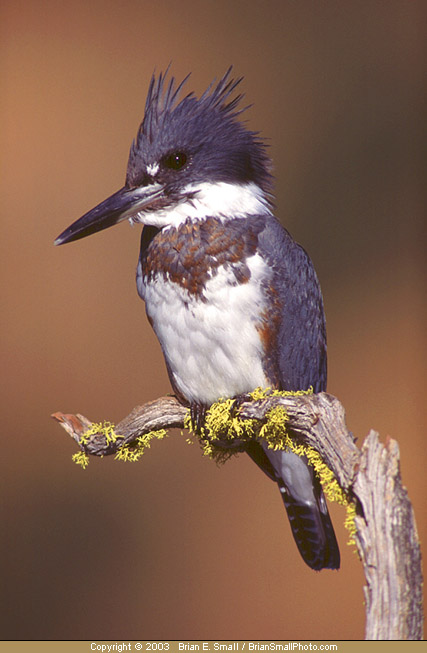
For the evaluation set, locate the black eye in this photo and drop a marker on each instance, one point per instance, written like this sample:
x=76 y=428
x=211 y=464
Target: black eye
x=175 y=161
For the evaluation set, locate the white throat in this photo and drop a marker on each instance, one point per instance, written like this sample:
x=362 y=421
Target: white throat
x=218 y=200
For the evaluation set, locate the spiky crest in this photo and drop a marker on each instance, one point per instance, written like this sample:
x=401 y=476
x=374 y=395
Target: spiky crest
x=206 y=128
x=163 y=98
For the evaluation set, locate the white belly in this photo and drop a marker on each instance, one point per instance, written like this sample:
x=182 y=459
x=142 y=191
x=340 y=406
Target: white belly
x=212 y=347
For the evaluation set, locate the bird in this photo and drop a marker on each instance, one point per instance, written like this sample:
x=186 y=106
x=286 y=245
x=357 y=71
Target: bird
x=234 y=301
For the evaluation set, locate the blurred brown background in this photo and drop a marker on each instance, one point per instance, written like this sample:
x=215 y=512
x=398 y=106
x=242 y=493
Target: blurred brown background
x=174 y=547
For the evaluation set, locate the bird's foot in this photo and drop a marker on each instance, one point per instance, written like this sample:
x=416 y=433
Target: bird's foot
x=237 y=402
x=198 y=416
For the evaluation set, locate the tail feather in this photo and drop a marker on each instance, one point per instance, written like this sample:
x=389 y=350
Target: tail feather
x=312 y=530
x=305 y=504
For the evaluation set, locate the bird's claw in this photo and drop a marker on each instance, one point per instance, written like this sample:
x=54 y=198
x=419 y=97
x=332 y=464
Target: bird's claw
x=198 y=416
x=237 y=403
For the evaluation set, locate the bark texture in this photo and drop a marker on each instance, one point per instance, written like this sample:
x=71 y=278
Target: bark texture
x=386 y=534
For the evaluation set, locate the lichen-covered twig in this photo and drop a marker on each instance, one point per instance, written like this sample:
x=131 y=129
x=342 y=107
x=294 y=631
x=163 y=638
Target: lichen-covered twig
x=384 y=526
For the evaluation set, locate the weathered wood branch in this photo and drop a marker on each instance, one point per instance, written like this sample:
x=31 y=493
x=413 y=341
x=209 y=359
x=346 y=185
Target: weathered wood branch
x=386 y=534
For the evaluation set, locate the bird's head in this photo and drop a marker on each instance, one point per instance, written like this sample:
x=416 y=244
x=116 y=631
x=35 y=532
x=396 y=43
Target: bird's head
x=192 y=158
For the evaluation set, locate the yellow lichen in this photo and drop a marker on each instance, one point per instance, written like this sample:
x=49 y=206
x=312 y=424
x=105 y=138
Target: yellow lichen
x=133 y=451
x=100 y=428
x=221 y=424
x=274 y=430
x=263 y=393
x=97 y=428
x=350 y=523
x=80 y=458
x=330 y=485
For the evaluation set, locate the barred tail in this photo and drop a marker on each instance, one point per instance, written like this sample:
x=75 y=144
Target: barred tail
x=305 y=504
x=312 y=528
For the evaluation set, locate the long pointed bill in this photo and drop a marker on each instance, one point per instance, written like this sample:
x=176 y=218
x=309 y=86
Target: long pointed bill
x=123 y=204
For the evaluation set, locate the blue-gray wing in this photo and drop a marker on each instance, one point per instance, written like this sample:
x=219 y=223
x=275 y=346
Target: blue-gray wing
x=296 y=360
x=300 y=326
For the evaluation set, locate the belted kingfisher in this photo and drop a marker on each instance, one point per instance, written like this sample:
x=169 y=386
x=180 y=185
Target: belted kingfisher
x=233 y=299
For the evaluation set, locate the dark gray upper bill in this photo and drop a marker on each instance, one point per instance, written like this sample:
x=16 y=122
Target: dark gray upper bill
x=115 y=208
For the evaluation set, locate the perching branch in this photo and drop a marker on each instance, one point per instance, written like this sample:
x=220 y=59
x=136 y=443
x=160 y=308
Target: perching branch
x=385 y=529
